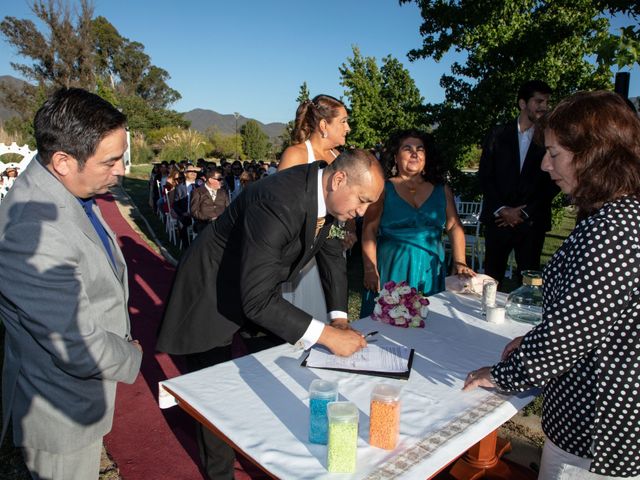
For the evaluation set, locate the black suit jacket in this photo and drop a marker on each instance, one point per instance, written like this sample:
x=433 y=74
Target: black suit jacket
x=503 y=183
x=230 y=182
x=232 y=273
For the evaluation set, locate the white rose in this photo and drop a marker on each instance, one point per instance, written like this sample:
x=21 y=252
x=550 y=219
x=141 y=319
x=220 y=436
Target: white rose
x=396 y=296
x=391 y=300
x=377 y=310
x=399 y=311
x=404 y=290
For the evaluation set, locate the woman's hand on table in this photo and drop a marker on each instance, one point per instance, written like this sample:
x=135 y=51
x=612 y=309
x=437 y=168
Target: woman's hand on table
x=461 y=268
x=511 y=347
x=479 y=378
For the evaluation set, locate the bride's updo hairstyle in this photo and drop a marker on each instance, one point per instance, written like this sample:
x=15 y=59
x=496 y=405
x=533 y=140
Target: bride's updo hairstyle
x=311 y=112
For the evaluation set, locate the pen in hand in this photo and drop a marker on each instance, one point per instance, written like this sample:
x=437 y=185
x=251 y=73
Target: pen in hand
x=370 y=334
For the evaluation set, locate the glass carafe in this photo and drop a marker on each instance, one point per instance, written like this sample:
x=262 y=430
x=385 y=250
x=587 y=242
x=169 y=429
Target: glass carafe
x=524 y=304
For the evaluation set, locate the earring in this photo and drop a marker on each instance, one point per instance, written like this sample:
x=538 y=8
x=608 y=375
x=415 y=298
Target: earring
x=325 y=134
x=394 y=170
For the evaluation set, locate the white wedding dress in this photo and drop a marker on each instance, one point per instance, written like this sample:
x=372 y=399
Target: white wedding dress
x=306 y=291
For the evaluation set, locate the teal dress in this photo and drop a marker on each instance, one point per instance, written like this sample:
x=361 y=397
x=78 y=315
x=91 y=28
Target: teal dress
x=409 y=244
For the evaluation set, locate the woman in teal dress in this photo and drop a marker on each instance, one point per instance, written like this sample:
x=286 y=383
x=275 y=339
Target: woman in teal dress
x=402 y=231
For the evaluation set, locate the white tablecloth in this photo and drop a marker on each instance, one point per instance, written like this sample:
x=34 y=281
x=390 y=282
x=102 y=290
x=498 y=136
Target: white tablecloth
x=260 y=402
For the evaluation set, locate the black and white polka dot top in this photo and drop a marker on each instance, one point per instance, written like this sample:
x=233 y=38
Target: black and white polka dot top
x=586 y=351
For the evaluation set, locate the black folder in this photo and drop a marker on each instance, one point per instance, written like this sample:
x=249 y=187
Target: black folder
x=376 y=373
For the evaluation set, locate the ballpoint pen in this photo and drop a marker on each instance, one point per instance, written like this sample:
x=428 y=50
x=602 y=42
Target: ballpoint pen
x=370 y=334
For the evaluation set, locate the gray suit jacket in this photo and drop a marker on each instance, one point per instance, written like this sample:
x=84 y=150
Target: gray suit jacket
x=64 y=307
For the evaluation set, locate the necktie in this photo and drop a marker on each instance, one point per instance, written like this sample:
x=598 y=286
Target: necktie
x=99 y=228
x=319 y=225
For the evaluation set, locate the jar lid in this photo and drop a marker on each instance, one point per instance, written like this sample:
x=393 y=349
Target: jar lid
x=342 y=411
x=323 y=388
x=532 y=277
x=384 y=392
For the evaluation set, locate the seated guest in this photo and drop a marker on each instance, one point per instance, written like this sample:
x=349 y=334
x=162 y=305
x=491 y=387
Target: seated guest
x=209 y=200
x=158 y=181
x=182 y=202
x=585 y=351
x=169 y=190
x=232 y=181
x=11 y=173
x=246 y=178
x=402 y=231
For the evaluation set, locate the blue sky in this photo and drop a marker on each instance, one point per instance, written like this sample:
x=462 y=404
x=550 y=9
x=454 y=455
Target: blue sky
x=252 y=56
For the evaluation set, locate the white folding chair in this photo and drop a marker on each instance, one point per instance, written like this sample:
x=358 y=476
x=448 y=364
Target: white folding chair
x=171 y=225
x=469 y=213
x=158 y=205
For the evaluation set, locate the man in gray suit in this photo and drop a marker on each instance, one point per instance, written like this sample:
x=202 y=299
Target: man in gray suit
x=64 y=292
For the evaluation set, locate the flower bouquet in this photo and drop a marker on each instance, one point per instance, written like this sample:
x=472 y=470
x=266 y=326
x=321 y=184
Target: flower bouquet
x=401 y=305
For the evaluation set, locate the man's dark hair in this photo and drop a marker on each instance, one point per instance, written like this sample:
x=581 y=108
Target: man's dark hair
x=528 y=89
x=213 y=172
x=74 y=121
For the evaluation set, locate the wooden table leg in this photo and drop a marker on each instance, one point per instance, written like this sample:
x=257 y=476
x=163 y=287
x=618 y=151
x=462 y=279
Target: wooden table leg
x=483 y=461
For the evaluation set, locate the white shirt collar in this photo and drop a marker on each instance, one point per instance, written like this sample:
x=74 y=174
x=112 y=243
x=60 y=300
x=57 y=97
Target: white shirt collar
x=322 y=206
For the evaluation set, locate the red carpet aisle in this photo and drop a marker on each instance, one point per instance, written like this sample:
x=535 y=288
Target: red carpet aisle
x=146 y=442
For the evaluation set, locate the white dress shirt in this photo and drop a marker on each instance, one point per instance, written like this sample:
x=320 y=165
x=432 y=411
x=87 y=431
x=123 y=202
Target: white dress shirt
x=314 y=330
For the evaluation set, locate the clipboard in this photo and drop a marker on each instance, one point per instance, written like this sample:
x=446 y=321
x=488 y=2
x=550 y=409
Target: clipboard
x=376 y=373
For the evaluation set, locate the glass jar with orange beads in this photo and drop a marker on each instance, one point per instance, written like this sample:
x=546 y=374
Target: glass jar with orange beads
x=384 y=417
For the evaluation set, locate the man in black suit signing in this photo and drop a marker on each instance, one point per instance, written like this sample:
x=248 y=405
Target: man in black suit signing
x=231 y=277
x=517 y=194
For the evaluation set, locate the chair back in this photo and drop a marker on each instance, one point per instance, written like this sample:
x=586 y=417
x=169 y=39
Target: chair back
x=469 y=213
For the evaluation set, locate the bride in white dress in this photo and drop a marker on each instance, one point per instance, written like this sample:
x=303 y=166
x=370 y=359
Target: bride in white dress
x=321 y=126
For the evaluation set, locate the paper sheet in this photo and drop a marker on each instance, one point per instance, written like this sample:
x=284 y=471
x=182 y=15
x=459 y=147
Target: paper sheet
x=391 y=359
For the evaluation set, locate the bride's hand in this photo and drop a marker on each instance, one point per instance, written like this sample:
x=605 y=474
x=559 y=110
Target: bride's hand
x=372 y=280
x=349 y=240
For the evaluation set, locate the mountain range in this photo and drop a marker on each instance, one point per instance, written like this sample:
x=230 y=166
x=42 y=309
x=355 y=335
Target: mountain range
x=201 y=119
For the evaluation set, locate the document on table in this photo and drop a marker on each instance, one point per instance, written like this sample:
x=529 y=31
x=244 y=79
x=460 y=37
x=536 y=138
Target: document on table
x=394 y=360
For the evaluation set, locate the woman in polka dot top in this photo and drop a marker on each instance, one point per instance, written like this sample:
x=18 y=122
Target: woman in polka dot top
x=586 y=351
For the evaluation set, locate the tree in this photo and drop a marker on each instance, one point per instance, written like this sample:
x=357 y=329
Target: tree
x=254 y=140
x=362 y=81
x=381 y=99
x=65 y=58
x=303 y=93
x=91 y=54
x=223 y=146
x=128 y=68
x=506 y=43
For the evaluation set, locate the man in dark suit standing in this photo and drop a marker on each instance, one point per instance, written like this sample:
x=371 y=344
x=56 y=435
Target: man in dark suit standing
x=517 y=194
x=231 y=277
x=209 y=200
